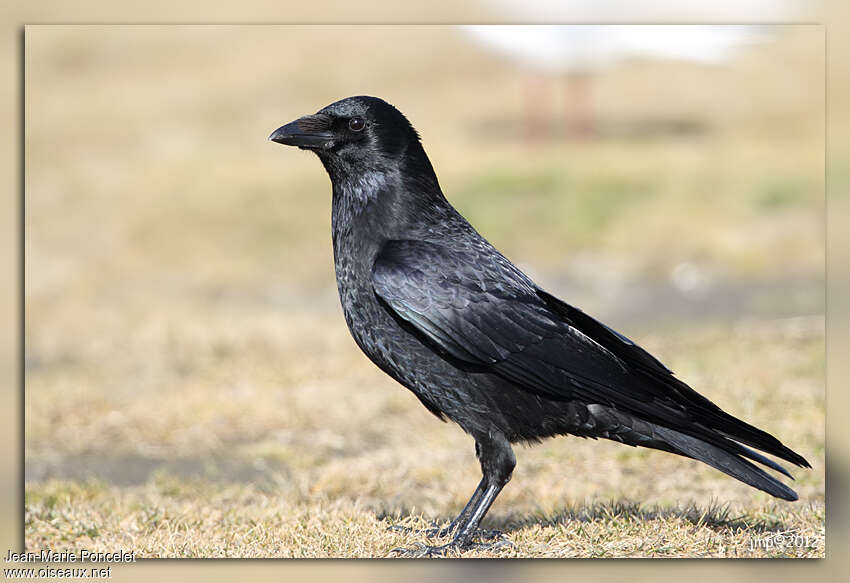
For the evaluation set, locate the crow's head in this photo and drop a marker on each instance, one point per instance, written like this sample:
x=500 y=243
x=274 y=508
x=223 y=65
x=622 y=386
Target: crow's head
x=356 y=133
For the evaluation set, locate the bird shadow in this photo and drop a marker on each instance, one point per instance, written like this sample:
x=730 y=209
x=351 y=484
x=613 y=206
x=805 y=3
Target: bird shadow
x=715 y=516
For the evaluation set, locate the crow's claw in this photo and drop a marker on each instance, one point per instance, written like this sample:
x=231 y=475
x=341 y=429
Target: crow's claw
x=454 y=548
x=423 y=551
x=491 y=535
x=437 y=532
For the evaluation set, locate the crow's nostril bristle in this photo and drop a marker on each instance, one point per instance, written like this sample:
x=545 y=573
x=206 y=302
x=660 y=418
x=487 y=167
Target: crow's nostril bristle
x=314 y=123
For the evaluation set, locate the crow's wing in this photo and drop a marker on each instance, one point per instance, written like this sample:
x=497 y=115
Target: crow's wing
x=473 y=305
x=480 y=309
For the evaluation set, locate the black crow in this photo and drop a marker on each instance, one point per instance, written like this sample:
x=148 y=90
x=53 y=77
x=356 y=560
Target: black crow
x=441 y=311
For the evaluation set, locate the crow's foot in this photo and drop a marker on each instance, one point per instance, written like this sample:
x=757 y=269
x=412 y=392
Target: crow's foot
x=454 y=548
x=437 y=532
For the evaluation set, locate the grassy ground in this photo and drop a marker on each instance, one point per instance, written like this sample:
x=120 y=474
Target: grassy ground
x=295 y=462
x=191 y=389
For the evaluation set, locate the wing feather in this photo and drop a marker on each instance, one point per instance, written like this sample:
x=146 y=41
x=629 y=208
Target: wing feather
x=475 y=306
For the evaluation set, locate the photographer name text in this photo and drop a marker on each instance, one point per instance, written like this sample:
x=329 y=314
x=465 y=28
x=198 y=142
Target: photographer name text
x=81 y=556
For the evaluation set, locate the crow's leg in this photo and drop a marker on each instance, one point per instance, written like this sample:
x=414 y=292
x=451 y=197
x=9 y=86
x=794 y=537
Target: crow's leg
x=436 y=531
x=467 y=510
x=497 y=464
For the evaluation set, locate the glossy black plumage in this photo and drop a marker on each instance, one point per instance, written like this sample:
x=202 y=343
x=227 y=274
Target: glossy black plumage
x=439 y=309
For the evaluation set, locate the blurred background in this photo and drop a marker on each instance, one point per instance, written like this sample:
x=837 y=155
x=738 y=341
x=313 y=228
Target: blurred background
x=183 y=333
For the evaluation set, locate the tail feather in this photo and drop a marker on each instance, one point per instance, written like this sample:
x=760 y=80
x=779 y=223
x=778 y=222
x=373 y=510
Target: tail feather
x=753 y=455
x=742 y=431
x=729 y=463
x=729 y=426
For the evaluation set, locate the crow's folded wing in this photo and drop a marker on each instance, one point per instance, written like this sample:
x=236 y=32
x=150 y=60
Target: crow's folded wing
x=473 y=305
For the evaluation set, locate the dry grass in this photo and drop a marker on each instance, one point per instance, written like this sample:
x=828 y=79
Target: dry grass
x=191 y=388
x=318 y=462
x=174 y=518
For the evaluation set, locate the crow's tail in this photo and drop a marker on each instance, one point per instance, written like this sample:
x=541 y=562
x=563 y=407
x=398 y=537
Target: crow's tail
x=728 y=462
x=711 y=448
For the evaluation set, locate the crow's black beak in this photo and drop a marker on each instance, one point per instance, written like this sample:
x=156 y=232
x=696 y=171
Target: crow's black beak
x=311 y=132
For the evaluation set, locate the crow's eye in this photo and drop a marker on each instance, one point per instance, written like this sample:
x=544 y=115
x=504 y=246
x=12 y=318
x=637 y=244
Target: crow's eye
x=356 y=124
